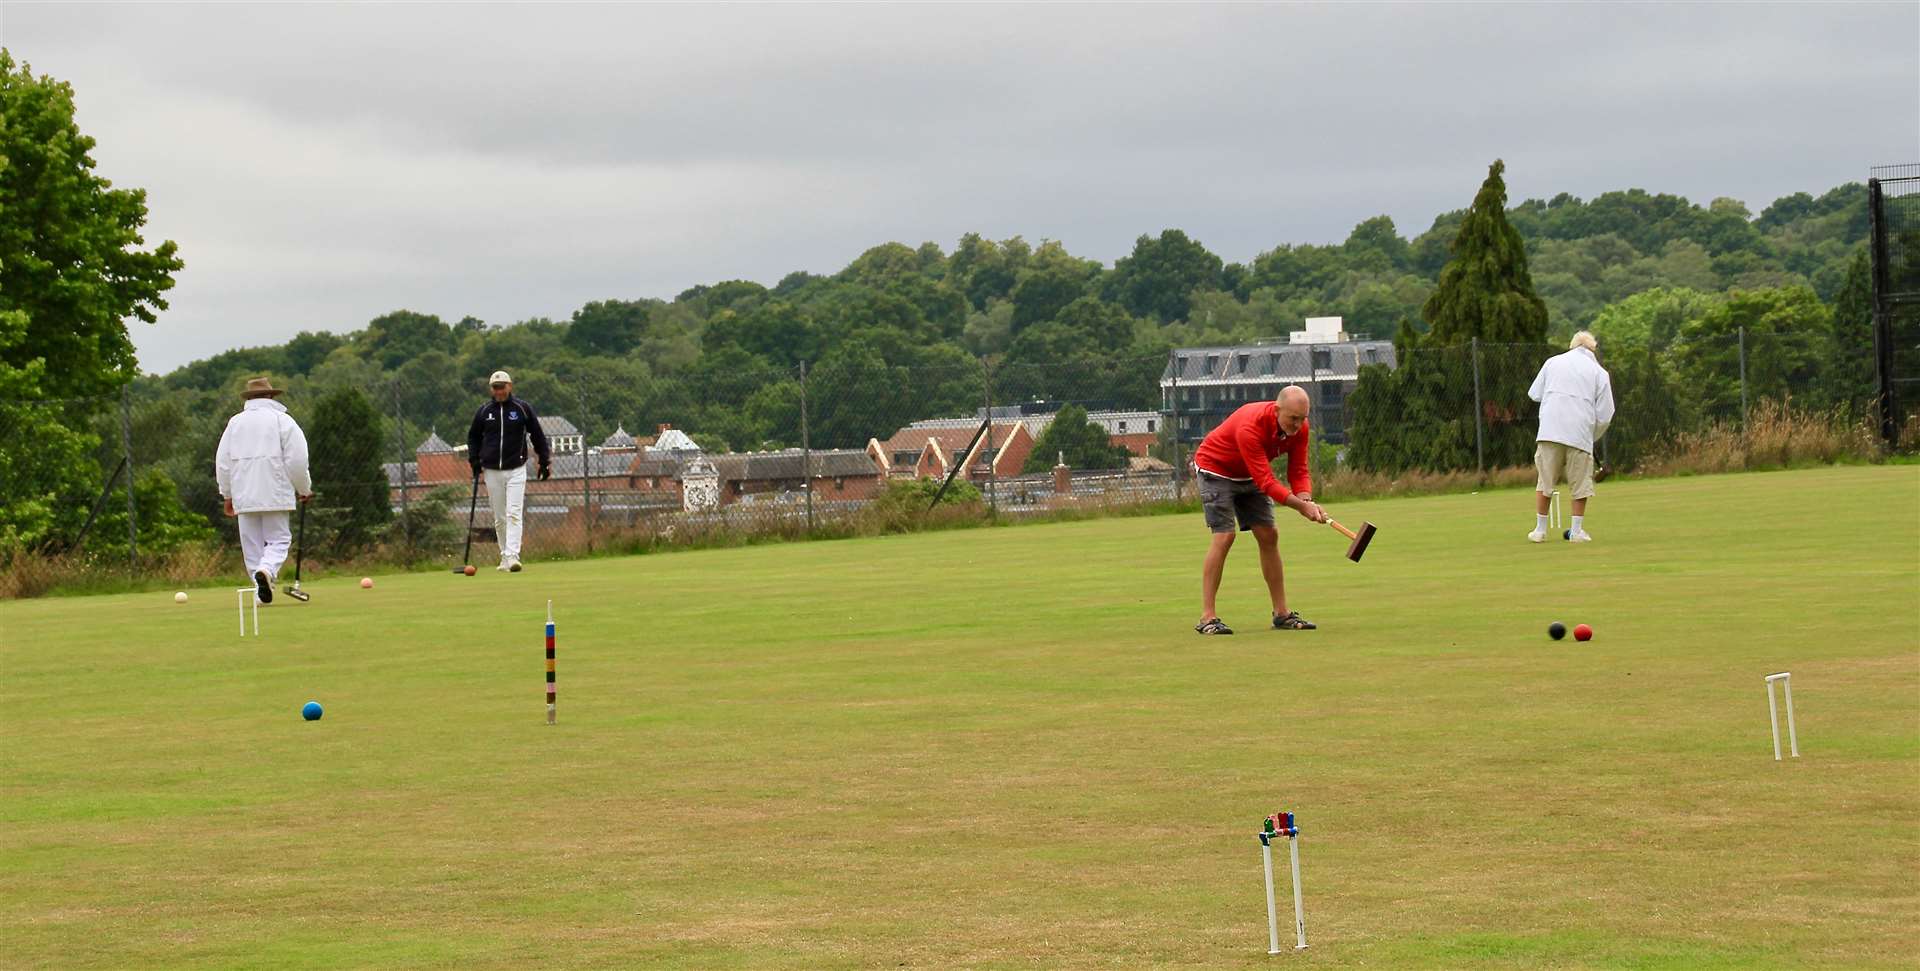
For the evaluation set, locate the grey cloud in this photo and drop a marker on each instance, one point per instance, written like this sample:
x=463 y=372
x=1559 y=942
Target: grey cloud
x=322 y=164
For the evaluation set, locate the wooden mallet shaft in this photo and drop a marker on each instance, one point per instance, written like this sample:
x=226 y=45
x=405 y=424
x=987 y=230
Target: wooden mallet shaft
x=1360 y=539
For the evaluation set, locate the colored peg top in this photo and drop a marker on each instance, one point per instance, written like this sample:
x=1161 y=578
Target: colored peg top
x=1281 y=824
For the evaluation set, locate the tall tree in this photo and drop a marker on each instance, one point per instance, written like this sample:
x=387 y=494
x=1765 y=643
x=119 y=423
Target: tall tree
x=72 y=270
x=396 y=338
x=345 y=439
x=1051 y=280
x=1162 y=274
x=607 y=327
x=1072 y=439
x=1788 y=340
x=1485 y=290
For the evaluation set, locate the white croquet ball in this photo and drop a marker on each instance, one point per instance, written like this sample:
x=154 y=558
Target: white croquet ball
x=180 y=597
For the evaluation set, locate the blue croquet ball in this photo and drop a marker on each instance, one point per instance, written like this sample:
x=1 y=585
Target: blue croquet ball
x=311 y=710
x=1555 y=630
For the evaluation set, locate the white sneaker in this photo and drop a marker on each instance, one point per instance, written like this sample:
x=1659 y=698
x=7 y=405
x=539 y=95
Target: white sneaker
x=1537 y=536
x=513 y=565
x=502 y=568
x=1580 y=537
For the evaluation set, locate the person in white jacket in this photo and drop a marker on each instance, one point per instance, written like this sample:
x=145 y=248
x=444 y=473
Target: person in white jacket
x=1576 y=405
x=262 y=468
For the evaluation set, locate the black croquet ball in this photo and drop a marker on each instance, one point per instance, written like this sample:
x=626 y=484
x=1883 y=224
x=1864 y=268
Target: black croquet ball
x=1556 y=630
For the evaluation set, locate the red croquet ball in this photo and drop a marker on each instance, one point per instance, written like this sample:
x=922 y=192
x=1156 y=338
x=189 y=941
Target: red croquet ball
x=469 y=570
x=1583 y=633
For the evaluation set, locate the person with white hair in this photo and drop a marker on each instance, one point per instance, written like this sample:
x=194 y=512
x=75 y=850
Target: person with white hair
x=1576 y=405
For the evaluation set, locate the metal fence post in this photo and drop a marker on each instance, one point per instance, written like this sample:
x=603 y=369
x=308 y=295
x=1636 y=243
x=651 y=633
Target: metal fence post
x=1877 y=259
x=993 y=492
x=1479 y=414
x=586 y=466
x=1179 y=449
x=133 y=512
x=1743 y=379
x=806 y=449
x=406 y=479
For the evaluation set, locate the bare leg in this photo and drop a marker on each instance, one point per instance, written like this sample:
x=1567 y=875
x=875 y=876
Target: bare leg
x=1269 y=539
x=1210 y=572
x=1579 y=507
x=1541 y=503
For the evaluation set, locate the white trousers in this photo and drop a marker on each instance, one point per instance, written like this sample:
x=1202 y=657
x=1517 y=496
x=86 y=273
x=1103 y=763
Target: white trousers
x=264 y=539
x=507 y=492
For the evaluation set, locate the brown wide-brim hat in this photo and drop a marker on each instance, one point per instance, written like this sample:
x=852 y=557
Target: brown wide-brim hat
x=261 y=388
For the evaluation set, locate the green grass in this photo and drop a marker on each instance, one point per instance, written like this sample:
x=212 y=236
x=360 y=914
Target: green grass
x=1005 y=749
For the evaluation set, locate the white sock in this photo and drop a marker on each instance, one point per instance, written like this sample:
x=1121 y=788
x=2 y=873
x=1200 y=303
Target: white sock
x=1577 y=529
x=1540 y=523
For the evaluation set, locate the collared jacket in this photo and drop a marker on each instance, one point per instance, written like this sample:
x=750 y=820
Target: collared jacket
x=262 y=461
x=1576 y=399
x=498 y=438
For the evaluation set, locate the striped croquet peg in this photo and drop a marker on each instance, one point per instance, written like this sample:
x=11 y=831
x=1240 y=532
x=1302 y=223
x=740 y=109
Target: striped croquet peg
x=1281 y=826
x=550 y=705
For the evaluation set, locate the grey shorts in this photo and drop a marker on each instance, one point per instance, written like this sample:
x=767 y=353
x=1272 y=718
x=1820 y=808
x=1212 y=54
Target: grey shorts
x=1224 y=501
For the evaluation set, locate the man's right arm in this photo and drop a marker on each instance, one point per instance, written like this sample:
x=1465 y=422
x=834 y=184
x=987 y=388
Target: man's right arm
x=223 y=463
x=1539 y=388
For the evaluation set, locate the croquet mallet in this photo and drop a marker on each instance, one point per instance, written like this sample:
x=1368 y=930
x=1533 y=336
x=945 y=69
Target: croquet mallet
x=1360 y=539
x=299 y=555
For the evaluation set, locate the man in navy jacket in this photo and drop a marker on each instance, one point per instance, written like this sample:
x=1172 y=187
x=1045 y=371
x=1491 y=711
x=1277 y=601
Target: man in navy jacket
x=497 y=448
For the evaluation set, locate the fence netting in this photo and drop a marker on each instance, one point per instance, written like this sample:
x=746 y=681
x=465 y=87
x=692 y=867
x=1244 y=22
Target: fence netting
x=639 y=460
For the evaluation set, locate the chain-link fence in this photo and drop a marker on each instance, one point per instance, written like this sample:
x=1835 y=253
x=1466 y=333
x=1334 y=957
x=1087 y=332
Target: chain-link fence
x=638 y=460
x=1893 y=203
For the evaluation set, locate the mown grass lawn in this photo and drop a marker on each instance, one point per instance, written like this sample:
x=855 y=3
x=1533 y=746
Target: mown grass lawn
x=1005 y=748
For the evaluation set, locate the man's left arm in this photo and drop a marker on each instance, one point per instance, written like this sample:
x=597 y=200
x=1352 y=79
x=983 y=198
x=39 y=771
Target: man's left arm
x=539 y=436
x=293 y=445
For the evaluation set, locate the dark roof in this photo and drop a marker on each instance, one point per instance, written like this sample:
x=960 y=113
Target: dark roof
x=555 y=425
x=620 y=439
x=393 y=471
x=1278 y=362
x=434 y=443
x=568 y=465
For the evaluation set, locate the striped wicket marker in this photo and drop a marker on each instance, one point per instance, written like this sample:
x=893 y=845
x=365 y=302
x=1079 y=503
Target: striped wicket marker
x=1282 y=826
x=550 y=708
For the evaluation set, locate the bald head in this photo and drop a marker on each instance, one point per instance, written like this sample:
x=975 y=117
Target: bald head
x=1291 y=408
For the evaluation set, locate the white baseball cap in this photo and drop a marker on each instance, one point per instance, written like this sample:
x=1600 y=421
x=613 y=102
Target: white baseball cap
x=500 y=377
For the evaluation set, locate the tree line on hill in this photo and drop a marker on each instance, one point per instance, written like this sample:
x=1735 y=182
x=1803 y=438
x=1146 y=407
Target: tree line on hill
x=901 y=332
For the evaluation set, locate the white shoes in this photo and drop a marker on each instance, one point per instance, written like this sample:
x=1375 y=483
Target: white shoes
x=502 y=568
x=1537 y=536
x=1580 y=537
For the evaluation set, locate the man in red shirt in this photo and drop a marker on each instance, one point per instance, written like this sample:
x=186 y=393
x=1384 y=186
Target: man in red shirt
x=1235 y=463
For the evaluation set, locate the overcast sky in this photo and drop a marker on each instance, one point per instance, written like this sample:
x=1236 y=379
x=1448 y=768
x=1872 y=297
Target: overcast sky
x=322 y=164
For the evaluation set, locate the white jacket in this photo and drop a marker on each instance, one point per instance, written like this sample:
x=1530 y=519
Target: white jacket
x=262 y=461
x=1576 y=399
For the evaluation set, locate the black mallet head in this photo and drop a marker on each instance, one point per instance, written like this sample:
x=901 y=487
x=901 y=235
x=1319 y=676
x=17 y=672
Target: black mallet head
x=1360 y=539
